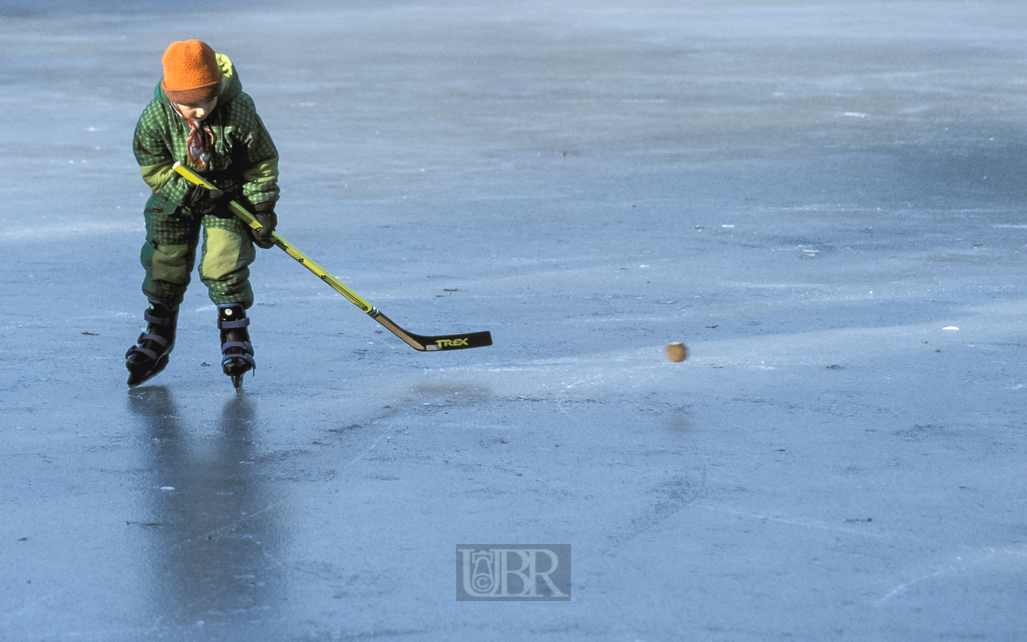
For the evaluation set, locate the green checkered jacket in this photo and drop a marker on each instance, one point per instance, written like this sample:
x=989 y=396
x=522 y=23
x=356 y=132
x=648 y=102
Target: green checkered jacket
x=243 y=163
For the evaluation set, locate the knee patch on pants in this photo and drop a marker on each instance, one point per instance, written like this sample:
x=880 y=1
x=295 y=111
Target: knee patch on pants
x=221 y=253
x=169 y=263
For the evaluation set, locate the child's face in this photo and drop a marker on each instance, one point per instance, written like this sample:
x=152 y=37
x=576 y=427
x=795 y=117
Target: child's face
x=198 y=111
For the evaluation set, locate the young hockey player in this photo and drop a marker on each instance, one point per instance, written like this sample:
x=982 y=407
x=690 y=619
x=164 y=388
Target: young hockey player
x=200 y=117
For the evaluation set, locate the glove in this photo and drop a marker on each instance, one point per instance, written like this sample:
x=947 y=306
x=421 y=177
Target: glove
x=265 y=215
x=205 y=201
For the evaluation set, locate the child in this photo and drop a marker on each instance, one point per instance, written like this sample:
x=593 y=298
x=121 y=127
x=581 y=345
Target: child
x=199 y=116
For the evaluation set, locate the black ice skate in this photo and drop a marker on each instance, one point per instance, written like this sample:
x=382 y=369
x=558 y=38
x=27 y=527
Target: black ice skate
x=150 y=354
x=236 y=350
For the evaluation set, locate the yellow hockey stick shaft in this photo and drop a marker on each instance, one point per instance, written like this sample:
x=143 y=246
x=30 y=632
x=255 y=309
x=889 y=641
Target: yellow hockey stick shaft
x=289 y=248
x=419 y=342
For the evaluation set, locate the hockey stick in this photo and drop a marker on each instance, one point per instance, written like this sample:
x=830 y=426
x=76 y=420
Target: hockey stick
x=415 y=341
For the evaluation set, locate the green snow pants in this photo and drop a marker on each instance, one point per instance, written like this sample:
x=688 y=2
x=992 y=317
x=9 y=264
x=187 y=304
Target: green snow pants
x=169 y=254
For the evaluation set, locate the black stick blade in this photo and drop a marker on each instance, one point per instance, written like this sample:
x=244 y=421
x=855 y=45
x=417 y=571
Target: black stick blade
x=455 y=341
x=433 y=343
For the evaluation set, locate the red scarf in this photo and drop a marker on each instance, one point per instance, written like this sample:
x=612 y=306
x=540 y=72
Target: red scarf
x=200 y=141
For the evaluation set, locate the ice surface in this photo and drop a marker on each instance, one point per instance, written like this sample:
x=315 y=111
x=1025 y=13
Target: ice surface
x=806 y=194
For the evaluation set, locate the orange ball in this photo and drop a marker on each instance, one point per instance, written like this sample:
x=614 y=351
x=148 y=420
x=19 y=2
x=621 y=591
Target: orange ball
x=677 y=351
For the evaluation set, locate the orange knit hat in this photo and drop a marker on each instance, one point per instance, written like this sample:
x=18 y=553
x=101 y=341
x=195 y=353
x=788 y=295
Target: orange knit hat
x=191 y=72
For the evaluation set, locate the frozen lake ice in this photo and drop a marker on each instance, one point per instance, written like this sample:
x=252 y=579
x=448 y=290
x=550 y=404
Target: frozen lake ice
x=821 y=199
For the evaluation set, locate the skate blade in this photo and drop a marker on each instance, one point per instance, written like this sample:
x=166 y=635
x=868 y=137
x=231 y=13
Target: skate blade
x=135 y=379
x=235 y=368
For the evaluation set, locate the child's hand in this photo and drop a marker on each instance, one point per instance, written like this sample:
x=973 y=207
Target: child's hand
x=205 y=201
x=265 y=215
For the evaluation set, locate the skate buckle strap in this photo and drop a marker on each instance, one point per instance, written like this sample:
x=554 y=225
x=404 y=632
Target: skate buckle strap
x=157 y=320
x=143 y=338
x=149 y=353
x=154 y=337
x=246 y=354
x=224 y=324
